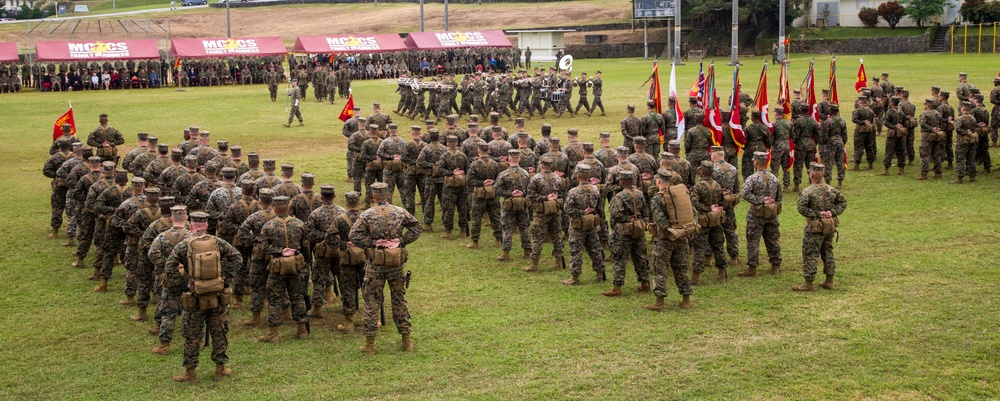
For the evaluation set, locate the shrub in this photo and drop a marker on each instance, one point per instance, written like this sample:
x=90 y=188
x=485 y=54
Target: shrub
x=891 y=12
x=868 y=16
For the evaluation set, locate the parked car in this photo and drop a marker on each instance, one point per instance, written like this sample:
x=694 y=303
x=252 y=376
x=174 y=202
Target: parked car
x=193 y=2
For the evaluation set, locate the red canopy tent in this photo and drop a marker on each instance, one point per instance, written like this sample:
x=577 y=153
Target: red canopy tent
x=349 y=44
x=88 y=50
x=223 y=47
x=8 y=52
x=456 y=39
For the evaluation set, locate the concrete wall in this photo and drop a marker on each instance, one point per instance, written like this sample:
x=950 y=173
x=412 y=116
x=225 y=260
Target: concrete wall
x=882 y=45
x=612 y=50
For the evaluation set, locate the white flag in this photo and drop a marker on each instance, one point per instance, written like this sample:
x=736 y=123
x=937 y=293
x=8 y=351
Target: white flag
x=677 y=103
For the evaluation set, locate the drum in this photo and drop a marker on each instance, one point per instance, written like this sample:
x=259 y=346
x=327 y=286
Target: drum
x=557 y=96
x=545 y=93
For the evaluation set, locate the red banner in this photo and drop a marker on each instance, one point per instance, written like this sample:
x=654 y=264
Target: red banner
x=223 y=47
x=862 y=80
x=454 y=40
x=97 y=50
x=66 y=118
x=8 y=52
x=348 y=112
x=349 y=44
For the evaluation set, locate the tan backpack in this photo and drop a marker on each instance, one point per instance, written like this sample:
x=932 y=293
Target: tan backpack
x=205 y=265
x=680 y=213
x=353 y=255
x=286 y=265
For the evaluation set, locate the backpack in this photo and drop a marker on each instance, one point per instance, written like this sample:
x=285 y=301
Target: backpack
x=205 y=265
x=286 y=265
x=353 y=255
x=711 y=218
x=680 y=213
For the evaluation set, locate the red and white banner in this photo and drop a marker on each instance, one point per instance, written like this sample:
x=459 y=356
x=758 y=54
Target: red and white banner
x=349 y=44
x=8 y=52
x=97 y=50
x=224 y=47
x=457 y=39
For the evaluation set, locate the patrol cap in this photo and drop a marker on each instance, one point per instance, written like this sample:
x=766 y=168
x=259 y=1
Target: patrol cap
x=962 y=74
x=484 y=147
x=499 y=129
x=626 y=175
x=269 y=164
x=522 y=135
x=554 y=140
x=212 y=167
x=494 y=116
x=513 y=152
x=996 y=80
x=108 y=166
x=415 y=128
x=138 y=181
x=945 y=94
x=198 y=217
x=707 y=165
x=663 y=174
x=651 y=104
x=392 y=126
x=588 y=146
x=376 y=104
x=87 y=152
x=373 y=127
x=281 y=200
x=451 y=138
x=142 y=136
x=863 y=98
x=598 y=71
x=204 y=133
x=288 y=167
x=929 y=101
x=583 y=168
x=222 y=145
x=692 y=99
x=152 y=140
x=248 y=184
x=428 y=122
x=546 y=161
x=519 y=121
x=177 y=152
x=967 y=105
x=604 y=135
x=718 y=149
x=474 y=117
x=104 y=115
x=473 y=124
x=816 y=167
x=327 y=189
x=664 y=155
x=353 y=197
x=826 y=91
x=190 y=160
x=67 y=125
x=177 y=210
x=236 y=150
x=760 y=156
x=308 y=178
x=228 y=172
x=122 y=176
x=451 y=118
x=622 y=150
x=356 y=109
x=253 y=156
x=94 y=160
x=935 y=88
x=639 y=140
x=673 y=143
x=380 y=188
x=572 y=132
x=630 y=107
x=546 y=129
x=834 y=107
x=78 y=145
x=797 y=91
x=755 y=113
x=265 y=194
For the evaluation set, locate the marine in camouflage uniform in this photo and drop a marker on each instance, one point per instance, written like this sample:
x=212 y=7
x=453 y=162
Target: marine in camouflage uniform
x=414 y=176
x=236 y=161
x=237 y=212
x=805 y=131
x=706 y=197
x=128 y=208
x=108 y=135
x=356 y=144
x=169 y=175
x=760 y=188
x=697 y=140
x=433 y=182
x=606 y=154
x=204 y=152
x=140 y=274
x=584 y=199
x=286 y=186
x=513 y=183
x=184 y=183
x=326 y=248
x=384 y=226
x=190 y=139
x=295 y=97
x=470 y=146
x=653 y=124
x=895 y=137
x=87 y=219
x=546 y=186
x=967 y=139
x=864 y=133
x=780 y=150
x=147 y=283
x=137 y=166
x=219 y=200
x=667 y=253
x=285 y=235
x=626 y=207
x=728 y=177
x=483 y=172
x=157 y=165
x=169 y=304
x=67 y=136
x=816 y=201
x=910 y=111
x=195 y=320
x=995 y=111
x=983 y=121
x=351 y=126
x=253 y=172
x=947 y=126
x=758 y=139
x=268 y=180
x=143 y=148
x=197 y=198
x=249 y=233
x=669 y=117
x=370 y=159
x=57 y=201
x=451 y=167
x=931 y=147
x=831 y=141
x=645 y=164
x=108 y=237
x=631 y=126
x=380 y=119
x=681 y=167
x=352 y=272
x=390 y=151
x=70 y=173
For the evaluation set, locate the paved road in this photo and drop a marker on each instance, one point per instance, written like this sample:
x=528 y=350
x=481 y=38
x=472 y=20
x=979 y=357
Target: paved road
x=152 y=10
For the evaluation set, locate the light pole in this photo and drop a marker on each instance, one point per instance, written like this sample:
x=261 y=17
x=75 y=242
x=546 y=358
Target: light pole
x=781 y=30
x=228 y=32
x=736 y=33
x=677 y=32
x=421 y=15
x=446 y=15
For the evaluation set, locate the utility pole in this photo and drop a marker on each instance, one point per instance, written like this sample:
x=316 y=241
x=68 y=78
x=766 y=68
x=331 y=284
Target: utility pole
x=421 y=15
x=781 y=30
x=228 y=31
x=446 y=15
x=736 y=33
x=677 y=32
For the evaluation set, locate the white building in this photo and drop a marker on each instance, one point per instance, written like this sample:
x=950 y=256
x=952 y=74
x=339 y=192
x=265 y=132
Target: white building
x=845 y=13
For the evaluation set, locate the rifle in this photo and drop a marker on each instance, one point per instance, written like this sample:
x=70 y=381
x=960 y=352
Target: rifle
x=308 y=307
x=406 y=279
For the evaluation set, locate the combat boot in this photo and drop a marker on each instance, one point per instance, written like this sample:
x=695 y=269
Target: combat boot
x=348 y=326
x=69 y=242
x=526 y=254
x=287 y=125
x=785 y=188
x=369 y=347
x=428 y=228
x=53 y=233
x=949 y=166
x=286 y=315
x=828 y=284
x=497 y=244
x=221 y=371
x=884 y=172
x=857 y=167
x=614 y=292
x=559 y=263
x=254 y=321
x=775 y=269
x=188 y=376
x=575 y=280
x=840 y=184
x=871 y=166
x=407 y=343
x=795 y=188
x=315 y=312
x=239 y=302
x=695 y=278
x=446 y=235
x=533 y=267
x=749 y=272
x=103 y=287
x=301 y=331
x=734 y=260
x=473 y=245
x=271 y=337
x=972 y=179
x=461 y=234
x=806 y=286
x=162 y=349
x=140 y=316
x=721 y=277
x=658 y=306
x=154 y=330
x=80 y=265
x=128 y=301
x=601 y=277
x=958 y=180
x=900 y=171
x=95 y=276
x=505 y=257
x=301 y=124
x=686 y=302
x=938 y=175
x=922 y=177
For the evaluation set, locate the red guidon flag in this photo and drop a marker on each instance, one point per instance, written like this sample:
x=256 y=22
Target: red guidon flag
x=348 y=112
x=834 y=98
x=66 y=118
x=762 y=103
x=862 y=80
x=811 y=92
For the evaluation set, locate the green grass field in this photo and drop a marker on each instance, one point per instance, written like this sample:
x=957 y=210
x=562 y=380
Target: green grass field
x=913 y=316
